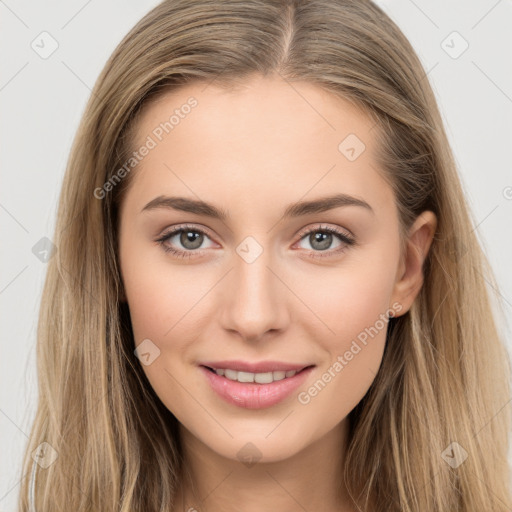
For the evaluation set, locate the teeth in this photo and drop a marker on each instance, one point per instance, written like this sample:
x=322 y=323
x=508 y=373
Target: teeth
x=260 y=378
x=245 y=377
x=279 y=375
x=231 y=374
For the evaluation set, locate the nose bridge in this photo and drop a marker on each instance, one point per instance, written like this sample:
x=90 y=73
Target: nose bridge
x=254 y=301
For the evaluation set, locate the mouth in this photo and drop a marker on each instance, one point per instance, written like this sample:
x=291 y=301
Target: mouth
x=255 y=390
x=253 y=377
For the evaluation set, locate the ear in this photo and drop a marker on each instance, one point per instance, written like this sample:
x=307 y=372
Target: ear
x=409 y=277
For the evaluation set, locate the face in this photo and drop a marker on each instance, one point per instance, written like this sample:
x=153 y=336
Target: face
x=260 y=283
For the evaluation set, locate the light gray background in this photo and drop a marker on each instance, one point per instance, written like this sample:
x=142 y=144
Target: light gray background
x=43 y=99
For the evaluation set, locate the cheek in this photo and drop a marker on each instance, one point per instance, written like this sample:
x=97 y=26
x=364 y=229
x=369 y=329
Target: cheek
x=356 y=295
x=356 y=307
x=365 y=299
x=161 y=304
x=161 y=296
x=165 y=302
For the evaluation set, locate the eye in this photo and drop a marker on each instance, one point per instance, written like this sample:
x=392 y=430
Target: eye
x=320 y=240
x=190 y=237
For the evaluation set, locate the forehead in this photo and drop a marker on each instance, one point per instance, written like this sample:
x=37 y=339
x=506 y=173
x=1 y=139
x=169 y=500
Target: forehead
x=261 y=106
x=264 y=138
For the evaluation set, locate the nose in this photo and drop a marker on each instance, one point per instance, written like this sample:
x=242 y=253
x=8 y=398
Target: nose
x=255 y=299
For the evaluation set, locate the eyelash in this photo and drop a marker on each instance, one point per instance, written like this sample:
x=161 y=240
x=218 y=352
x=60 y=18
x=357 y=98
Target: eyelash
x=346 y=239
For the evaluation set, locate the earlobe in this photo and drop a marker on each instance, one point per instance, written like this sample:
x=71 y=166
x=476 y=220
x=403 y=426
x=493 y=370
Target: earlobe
x=410 y=273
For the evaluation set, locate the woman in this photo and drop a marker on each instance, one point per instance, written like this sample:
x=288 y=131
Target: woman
x=267 y=292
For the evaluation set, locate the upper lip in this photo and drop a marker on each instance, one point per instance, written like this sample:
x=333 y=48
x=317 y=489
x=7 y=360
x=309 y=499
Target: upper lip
x=260 y=367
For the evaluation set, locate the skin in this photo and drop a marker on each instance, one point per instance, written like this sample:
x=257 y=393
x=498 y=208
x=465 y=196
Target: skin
x=252 y=151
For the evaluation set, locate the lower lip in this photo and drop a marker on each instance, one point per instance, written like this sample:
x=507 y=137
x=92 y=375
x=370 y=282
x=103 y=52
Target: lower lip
x=252 y=395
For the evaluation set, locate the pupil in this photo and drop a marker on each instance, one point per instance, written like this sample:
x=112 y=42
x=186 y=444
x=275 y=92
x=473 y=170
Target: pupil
x=191 y=237
x=324 y=239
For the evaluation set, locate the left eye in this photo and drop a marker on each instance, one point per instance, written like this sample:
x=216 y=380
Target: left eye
x=321 y=238
x=191 y=239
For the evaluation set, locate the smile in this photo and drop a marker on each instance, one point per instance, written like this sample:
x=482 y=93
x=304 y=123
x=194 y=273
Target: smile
x=253 y=390
x=259 y=378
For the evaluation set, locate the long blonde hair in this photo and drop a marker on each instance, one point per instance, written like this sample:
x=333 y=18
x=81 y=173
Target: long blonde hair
x=440 y=392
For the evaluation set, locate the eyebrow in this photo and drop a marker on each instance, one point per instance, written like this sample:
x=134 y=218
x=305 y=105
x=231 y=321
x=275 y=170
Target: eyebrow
x=298 y=209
